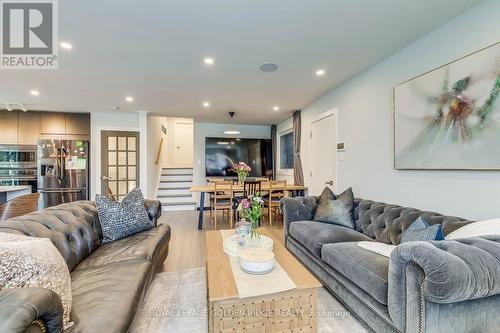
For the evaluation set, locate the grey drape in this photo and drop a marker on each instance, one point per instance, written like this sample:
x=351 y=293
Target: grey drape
x=274 y=141
x=298 y=174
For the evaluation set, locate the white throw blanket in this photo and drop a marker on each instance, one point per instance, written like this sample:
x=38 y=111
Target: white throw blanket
x=377 y=247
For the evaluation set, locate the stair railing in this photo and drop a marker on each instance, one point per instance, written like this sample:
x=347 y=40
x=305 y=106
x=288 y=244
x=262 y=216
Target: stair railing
x=158 y=154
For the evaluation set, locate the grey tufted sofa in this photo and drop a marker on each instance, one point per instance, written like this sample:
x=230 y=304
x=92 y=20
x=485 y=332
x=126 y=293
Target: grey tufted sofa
x=440 y=286
x=107 y=281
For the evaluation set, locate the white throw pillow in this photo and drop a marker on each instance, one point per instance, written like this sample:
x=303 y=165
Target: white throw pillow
x=377 y=247
x=30 y=262
x=474 y=229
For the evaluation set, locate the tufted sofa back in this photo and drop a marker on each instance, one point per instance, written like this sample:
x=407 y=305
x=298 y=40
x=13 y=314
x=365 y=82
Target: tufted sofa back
x=73 y=228
x=385 y=222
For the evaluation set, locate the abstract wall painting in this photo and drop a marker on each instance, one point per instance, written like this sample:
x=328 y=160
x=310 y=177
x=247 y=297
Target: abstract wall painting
x=449 y=118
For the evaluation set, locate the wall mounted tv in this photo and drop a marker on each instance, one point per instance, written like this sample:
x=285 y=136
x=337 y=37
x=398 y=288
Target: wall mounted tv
x=221 y=153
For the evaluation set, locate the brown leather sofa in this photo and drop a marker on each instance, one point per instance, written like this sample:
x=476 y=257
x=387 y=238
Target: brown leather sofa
x=108 y=281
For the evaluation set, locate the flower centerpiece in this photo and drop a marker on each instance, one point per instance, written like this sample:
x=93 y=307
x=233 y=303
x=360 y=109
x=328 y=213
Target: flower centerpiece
x=251 y=210
x=242 y=169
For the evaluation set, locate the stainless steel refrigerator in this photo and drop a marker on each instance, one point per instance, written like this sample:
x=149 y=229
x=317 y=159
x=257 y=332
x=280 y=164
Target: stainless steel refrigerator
x=62 y=171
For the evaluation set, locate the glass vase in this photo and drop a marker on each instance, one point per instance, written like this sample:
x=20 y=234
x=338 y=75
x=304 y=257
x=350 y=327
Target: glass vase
x=241 y=178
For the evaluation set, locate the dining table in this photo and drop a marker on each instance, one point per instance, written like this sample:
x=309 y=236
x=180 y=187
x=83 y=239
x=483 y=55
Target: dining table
x=293 y=190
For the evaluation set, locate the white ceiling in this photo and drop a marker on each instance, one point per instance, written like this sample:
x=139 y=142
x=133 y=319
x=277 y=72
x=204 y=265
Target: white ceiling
x=154 y=50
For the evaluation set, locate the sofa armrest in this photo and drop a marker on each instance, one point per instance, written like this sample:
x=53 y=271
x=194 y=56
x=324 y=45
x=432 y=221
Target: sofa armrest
x=441 y=274
x=153 y=207
x=33 y=309
x=297 y=209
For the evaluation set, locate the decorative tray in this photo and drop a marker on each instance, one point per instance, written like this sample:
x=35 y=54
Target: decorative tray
x=233 y=247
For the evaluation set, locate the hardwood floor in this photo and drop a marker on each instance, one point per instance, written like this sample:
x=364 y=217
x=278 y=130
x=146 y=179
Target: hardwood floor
x=187 y=245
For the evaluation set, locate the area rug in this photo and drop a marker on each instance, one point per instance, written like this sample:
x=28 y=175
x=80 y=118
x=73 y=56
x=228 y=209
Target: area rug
x=176 y=302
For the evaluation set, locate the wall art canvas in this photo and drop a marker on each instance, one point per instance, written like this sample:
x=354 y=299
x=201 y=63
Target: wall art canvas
x=449 y=118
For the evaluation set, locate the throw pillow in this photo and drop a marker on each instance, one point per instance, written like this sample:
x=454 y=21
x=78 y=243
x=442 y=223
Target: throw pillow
x=377 y=247
x=336 y=209
x=122 y=219
x=30 y=262
x=475 y=229
x=420 y=230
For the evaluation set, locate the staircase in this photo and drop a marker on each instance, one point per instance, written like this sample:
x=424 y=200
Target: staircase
x=173 y=191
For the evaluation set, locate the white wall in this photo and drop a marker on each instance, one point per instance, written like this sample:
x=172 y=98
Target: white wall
x=116 y=121
x=365 y=123
x=203 y=130
x=154 y=135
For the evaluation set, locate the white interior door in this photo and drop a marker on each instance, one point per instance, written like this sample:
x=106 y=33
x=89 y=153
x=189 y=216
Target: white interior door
x=183 y=153
x=323 y=154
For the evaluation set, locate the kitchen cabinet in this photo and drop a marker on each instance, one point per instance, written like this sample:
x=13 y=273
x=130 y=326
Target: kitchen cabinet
x=8 y=127
x=77 y=123
x=30 y=124
x=53 y=123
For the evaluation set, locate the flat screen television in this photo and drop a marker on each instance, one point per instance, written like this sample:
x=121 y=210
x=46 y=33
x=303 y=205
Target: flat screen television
x=221 y=153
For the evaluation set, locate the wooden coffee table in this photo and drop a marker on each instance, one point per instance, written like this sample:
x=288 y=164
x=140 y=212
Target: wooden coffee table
x=292 y=310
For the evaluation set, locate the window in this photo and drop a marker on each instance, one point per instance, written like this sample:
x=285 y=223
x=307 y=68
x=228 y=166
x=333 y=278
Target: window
x=286 y=151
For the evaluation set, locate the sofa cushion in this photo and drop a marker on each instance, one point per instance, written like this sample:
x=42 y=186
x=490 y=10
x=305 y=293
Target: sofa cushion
x=144 y=245
x=366 y=269
x=105 y=298
x=420 y=230
x=313 y=235
x=336 y=209
x=122 y=219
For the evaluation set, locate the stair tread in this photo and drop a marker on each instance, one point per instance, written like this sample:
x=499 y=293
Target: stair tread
x=173 y=195
x=187 y=203
x=176 y=181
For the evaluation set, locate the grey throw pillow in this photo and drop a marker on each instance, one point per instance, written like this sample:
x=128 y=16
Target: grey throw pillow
x=121 y=219
x=421 y=230
x=336 y=209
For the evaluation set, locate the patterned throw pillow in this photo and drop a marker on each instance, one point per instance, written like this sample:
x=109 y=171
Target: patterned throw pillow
x=122 y=219
x=336 y=209
x=420 y=230
x=30 y=262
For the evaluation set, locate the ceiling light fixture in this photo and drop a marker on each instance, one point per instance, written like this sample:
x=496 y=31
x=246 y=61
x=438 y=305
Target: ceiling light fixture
x=276 y=108
x=35 y=92
x=129 y=99
x=231 y=132
x=268 y=67
x=320 y=72
x=66 y=45
x=209 y=61
x=206 y=104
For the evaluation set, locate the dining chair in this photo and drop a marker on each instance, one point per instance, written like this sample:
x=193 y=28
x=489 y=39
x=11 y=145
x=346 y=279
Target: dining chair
x=211 y=181
x=19 y=206
x=222 y=201
x=277 y=190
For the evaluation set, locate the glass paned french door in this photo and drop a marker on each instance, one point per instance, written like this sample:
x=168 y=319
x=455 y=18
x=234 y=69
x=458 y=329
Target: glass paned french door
x=119 y=163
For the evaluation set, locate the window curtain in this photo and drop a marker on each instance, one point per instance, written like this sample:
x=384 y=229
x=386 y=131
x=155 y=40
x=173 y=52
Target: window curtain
x=298 y=174
x=274 y=142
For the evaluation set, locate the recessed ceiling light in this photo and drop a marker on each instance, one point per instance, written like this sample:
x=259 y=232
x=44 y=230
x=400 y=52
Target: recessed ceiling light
x=276 y=108
x=209 y=61
x=268 y=67
x=320 y=72
x=129 y=99
x=35 y=92
x=206 y=104
x=66 y=45
x=232 y=132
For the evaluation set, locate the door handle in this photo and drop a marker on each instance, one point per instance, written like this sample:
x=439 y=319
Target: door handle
x=106 y=178
x=329 y=183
